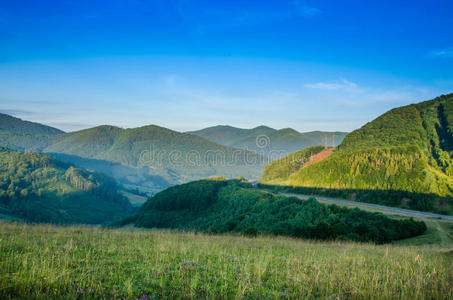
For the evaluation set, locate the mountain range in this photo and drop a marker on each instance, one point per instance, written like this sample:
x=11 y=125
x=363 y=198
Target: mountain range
x=153 y=158
x=269 y=141
x=403 y=158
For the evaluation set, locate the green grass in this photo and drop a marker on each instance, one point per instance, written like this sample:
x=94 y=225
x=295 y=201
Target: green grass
x=43 y=261
x=439 y=235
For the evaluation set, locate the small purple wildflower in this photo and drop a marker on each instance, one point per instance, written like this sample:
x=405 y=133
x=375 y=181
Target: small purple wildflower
x=188 y=262
x=80 y=291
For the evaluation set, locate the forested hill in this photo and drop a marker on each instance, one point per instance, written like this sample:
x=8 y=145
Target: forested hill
x=281 y=169
x=17 y=125
x=172 y=156
x=24 y=135
x=402 y=158
x=269 y=141
x=220 y=206
x=150 y=158
x=38 y=188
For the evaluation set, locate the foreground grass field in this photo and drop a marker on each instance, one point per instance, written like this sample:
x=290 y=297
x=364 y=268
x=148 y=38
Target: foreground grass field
x=45 y=262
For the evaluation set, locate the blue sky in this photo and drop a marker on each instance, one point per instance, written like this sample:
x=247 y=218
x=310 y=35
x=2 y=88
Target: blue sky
x=182 y=64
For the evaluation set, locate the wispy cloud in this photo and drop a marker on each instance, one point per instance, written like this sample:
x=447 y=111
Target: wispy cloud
x=342 y=84
x=443 y=53
x=16 y=112
x=25 y=113
x=306 y=10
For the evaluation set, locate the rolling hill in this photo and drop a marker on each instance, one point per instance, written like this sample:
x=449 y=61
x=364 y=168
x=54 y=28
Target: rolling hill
x=403 y=158
x=38 y=188
x=268 y=141
x=220 y=206
x=24 y=135
x=153 y=156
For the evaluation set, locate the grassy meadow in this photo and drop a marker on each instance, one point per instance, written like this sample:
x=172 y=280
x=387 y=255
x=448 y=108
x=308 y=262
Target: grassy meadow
x=74 y=262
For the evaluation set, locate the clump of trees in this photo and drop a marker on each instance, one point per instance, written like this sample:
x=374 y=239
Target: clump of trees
x=221 y=206
x=39 y=188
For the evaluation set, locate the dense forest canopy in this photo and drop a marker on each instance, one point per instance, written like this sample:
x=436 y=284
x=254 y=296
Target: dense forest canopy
x=403 y=158
x=39 y=188
x=285 y=167
x=220 y=206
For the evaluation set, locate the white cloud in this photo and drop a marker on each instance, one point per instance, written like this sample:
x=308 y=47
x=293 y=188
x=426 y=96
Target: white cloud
x=341 y=84
x=444 y=53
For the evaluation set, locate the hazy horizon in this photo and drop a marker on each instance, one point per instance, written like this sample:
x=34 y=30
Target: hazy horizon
x=187 y=65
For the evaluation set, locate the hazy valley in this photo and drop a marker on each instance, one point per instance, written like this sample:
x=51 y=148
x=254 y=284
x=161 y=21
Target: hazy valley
x=195 y=149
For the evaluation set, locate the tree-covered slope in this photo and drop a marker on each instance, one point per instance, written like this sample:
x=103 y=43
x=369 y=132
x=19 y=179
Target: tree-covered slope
x=90 y=143
x=17 y=125
x=269 y=141
x=281 y=169
x=403 y=158
x=150 y=157
x=24 y=135
x=219 y=206
x=39 y=188
x=174 y=157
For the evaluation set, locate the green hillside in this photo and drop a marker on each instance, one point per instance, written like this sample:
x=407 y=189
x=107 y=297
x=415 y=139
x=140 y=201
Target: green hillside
x=154 y=156
x=150 y=158
x=17 y=125
x=85 y=262
x=38 y=188
x=281 y=169
x=24 y=135
x=403 y=158
x=220 y=206
x=276 y=143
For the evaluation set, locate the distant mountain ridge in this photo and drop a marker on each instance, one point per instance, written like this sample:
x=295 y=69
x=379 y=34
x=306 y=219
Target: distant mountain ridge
x=403 y=158
x=269 y=141
x=154 y=157
x=23 y=135
x=17 y=125
x=174 y=157
x=151 y=156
